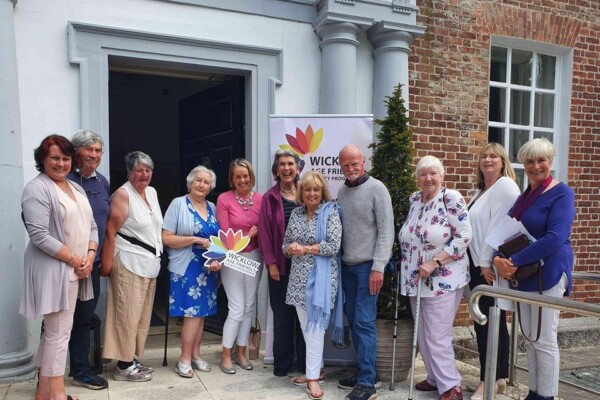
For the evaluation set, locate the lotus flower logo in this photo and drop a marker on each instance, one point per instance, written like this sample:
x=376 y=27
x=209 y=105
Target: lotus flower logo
x=229 y=241
x=304 y=143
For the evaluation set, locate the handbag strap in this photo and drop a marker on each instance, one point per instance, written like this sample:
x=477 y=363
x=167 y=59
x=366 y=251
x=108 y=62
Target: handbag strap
x=539 y=324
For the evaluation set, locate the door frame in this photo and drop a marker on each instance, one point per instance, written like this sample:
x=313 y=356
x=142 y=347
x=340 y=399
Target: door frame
x=91 y=46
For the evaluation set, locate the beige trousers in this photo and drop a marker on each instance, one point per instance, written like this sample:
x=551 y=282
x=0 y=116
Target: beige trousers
x=128 y=312
x=51 y=357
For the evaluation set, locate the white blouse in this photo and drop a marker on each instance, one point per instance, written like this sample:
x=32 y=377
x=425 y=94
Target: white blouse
x=442 y=224
x=486 y=212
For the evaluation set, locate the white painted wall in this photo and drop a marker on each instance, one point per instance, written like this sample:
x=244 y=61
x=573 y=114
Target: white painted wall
x=49 y=84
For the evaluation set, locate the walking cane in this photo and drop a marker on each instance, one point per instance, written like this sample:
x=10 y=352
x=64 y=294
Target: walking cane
x=414 y=344
x=393 y=383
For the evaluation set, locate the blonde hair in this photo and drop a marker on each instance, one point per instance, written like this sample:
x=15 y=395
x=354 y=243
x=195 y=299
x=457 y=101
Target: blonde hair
x=313 y=179
x=241 y=162
x=506 y=170
x=536 y=148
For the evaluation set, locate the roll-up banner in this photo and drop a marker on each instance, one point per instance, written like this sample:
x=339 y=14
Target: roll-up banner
x=317 y=139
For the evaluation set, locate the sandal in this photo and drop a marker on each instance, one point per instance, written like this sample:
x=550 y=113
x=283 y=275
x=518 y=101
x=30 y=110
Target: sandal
x=201 y=365
x=314 y=395
x=302 y=380
x=184 y=370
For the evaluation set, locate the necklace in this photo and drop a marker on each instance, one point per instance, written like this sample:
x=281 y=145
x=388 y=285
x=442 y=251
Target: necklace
x=245 y=204
x=287 y=192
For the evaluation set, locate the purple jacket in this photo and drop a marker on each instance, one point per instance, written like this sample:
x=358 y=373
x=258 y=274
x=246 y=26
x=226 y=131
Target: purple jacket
x=271 y=229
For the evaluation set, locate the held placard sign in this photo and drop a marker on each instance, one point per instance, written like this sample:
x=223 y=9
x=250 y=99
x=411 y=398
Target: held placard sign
x=225 y=249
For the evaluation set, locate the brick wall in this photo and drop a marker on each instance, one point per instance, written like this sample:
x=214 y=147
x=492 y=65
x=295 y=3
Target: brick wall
x=448 y=92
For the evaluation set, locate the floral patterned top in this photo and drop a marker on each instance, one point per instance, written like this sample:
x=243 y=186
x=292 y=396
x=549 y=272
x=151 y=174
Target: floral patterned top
x=303 y=231
x=440 y=224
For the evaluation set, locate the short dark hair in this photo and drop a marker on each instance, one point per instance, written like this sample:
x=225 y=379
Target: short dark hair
x=285 y=153
x=41 y=152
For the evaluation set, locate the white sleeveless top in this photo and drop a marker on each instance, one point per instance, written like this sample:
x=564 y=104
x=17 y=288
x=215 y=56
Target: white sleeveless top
x=144 y=224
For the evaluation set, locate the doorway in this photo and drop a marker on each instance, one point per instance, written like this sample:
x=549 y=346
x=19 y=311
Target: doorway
x=181 y=119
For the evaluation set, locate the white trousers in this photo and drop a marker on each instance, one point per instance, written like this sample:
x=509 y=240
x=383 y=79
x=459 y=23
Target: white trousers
x=436 y=316
x=241 y=302
x=315 y=340
x=543 y=356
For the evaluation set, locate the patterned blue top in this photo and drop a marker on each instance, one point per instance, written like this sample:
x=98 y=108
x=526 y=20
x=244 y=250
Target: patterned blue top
x=194 y=294
x=302 y=230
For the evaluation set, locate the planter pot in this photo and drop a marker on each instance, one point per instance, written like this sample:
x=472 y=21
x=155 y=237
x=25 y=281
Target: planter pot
x=385 y=346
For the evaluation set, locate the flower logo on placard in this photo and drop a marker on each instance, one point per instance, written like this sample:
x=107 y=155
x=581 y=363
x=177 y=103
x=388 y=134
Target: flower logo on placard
x=304 y=143
x=226 y=241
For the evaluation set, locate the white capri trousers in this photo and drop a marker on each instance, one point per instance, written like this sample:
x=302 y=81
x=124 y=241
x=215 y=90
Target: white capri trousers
x=314 y=345
x=543 y=356
x=241 y=301
x=436 y=316
x=51 y=357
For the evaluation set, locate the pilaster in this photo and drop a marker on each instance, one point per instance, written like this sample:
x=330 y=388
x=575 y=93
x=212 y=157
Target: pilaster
x=16 y=362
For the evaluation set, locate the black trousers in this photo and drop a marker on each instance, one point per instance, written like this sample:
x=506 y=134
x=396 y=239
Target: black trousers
x=481 y=331
x=79 y=344
x=287 y=333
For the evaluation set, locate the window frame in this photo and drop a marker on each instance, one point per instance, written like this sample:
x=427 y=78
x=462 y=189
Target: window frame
x=562 y=101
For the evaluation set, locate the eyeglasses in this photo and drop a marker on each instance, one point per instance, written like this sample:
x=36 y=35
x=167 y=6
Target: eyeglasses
x=91 y=192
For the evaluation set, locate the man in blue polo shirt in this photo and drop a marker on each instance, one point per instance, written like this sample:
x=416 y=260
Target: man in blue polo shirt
x=89 y=147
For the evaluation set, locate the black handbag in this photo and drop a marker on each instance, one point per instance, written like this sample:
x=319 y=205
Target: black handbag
x=514 y=246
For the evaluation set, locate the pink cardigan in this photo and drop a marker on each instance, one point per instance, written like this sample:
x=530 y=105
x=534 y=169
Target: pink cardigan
x=231 y=215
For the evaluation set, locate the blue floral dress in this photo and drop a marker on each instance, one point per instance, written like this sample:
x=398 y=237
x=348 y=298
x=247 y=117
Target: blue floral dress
x=195 y=293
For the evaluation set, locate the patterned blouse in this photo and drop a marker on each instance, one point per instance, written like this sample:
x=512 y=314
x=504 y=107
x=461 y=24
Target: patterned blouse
x=440 y=224
x=303 y=231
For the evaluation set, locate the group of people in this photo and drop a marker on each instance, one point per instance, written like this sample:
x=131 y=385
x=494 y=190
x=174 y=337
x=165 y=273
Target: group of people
x=324 y=258
x=444 y=249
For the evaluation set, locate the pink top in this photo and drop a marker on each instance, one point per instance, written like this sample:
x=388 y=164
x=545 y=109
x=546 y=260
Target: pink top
x=231 y=215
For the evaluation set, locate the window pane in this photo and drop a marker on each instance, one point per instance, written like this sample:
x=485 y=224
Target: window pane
x=546 y=71
x=521 y=67
x=519 y=107
x=520 y=178
x=544 y=110
x=517 y=138
x=547 y=135
x=497 y=110
x=498 y=65
x=496 y=135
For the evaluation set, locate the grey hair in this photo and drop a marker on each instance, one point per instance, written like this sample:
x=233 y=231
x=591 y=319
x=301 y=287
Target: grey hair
x=430 y=162
x=536 y=148
x=86 y=138
x=284 y=153
x=201 y=168
x=137 y=157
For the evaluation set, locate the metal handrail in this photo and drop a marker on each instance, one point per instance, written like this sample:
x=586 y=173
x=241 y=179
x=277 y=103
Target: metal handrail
x=586 y=276
x=536 y=299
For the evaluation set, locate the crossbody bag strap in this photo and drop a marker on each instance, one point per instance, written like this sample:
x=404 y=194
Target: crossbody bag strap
x=539 y=324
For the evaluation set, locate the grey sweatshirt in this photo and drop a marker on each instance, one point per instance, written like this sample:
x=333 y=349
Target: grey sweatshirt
x=367 y=224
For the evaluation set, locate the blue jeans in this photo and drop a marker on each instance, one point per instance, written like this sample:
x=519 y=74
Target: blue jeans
x=361 y=311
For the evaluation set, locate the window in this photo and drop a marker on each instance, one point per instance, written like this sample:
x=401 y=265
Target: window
x=529 y=97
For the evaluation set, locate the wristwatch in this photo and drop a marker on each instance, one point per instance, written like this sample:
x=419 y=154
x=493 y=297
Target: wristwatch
x=436 y=260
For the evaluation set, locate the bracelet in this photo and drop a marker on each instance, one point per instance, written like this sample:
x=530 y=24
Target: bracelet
x=94 y=250
x=71 y=260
